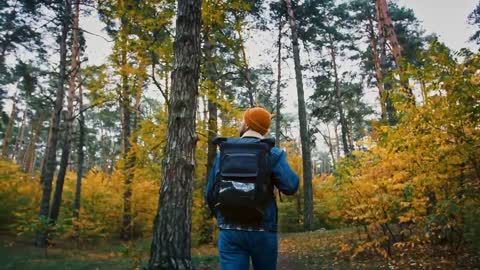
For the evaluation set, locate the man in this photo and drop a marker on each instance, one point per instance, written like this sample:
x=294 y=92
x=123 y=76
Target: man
x=240 y=241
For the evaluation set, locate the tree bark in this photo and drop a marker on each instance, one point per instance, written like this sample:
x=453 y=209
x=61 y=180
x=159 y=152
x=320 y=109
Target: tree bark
x=212 y=95
x=328 y=141
x=378 y=69
x=279 y=85
x=337 y=141
x=343 y=120
x=29 y=157
x=16 y=155
x=171 y=242
x=302 y=115
x=57 y=197
x=81 y=144
x=212 y=124
x=126 y=233
x=387 y=30
x=248 y=79
x=50 y=162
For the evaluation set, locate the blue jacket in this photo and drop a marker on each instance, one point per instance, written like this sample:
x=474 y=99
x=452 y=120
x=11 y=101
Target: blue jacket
x=284 y=178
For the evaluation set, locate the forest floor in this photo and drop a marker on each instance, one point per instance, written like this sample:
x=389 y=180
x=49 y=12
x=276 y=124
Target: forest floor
x=315 y=250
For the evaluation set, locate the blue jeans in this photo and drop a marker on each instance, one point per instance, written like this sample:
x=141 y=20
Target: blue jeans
x=237 y=247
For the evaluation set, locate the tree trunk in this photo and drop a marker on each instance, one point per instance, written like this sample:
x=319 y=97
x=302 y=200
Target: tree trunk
x=350 y=136
x=212 y=98
x=391 y=112
x=171 y=242
x=8 y=133
x=302 y=115
x=378 y=69
x=127 y=170
x=387 y=30
x=81 y=144
x=29 y=157
x=50 y=162
x=212 y=126
x=279 y=85
x=248 y=80
x=126 y=233
x=343 y=120
x=328 y=141
x=57 y=197
x=337 y=141
x=16 y=155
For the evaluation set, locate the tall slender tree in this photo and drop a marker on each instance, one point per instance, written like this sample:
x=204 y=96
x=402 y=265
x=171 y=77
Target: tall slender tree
x=67 y=140
x=80 y=146
x=387 y=31
x=278 y=98
x=302 y=115
x=171 y=241
x=50 y=162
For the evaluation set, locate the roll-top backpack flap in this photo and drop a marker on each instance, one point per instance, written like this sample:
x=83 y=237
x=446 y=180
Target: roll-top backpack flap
x=244 y=180
x=241 y=160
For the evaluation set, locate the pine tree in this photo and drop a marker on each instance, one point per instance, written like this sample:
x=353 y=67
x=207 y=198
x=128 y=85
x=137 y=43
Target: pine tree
x=67 y=140
x=171 y=233
x=302 y=115
x=50 y=162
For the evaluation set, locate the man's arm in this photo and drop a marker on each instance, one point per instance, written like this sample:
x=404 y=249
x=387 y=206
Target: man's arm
x=211 y=179
x=286 y=178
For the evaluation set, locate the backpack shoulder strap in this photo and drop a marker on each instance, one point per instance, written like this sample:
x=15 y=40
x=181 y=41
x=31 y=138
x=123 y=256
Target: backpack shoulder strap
x=269 y=141
x=219 y=140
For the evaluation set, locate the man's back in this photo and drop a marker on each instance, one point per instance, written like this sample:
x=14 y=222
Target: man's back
x=238 y=243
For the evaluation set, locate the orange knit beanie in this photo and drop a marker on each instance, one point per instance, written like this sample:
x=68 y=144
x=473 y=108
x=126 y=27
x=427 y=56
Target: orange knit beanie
x=257 y=119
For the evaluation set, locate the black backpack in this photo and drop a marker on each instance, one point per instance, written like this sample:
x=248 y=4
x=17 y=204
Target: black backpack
x=243 y=187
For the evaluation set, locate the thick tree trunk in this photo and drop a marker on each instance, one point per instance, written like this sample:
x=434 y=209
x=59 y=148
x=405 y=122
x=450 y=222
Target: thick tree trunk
x=57 y=197
x=279 y=85
x=302 y=115
x=50 y=162
x=343 y=120
x=8 y=132
x=172 y=228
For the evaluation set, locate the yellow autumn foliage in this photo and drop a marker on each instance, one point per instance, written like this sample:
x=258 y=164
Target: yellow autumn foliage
x=417 y=182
